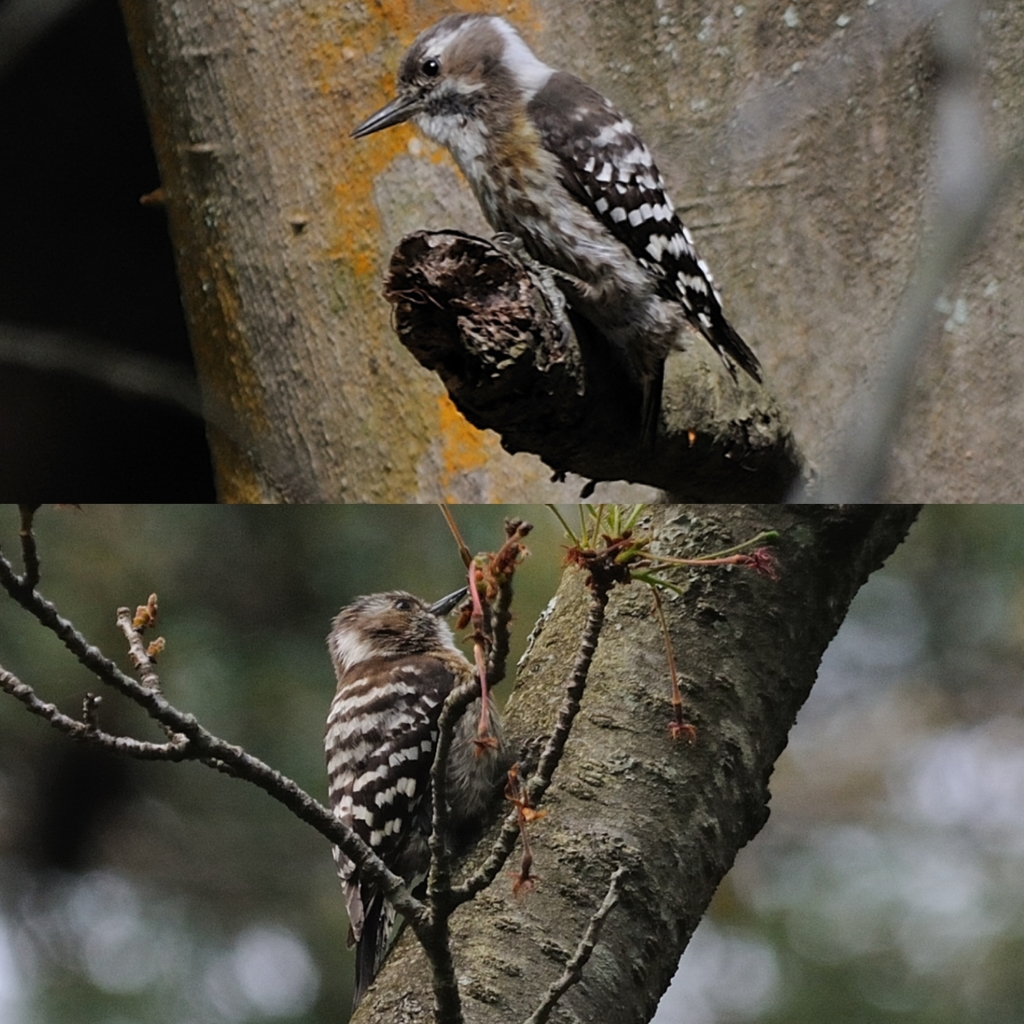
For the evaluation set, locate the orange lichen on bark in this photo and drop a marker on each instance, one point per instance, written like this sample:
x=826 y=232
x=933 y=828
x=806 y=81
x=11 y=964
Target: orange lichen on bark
x=463 y=447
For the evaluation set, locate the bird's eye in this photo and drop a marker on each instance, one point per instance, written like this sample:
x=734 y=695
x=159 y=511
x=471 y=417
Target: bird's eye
x=431 y=67
x=403 y=604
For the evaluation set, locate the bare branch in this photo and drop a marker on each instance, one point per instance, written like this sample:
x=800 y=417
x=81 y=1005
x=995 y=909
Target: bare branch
x=435 y=937
x=464 y=554
x=91 y=710
x=488 y=871
x=121 y=370
x=552 y=753
x=501 y=617
x=502 y=570
x=550 y=756
x=433 y=931
x=176 y=750
x=574 y=968
x=29 y=554
x=438 y=883
x=139 y=655
x=91 y=657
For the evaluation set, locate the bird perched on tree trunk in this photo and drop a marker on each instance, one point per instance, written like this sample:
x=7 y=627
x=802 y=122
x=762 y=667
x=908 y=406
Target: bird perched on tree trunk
x=553 y=163
x=396 y=662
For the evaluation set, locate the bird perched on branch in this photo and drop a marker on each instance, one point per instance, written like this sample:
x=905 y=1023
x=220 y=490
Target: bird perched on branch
x=396 y=662
x=553 y=163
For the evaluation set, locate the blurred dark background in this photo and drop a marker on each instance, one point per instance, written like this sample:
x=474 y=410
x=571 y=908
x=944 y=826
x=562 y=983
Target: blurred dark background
x=86 y=271
x=887 y=887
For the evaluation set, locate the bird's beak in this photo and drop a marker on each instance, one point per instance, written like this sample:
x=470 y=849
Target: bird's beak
x=400 y=109
x=446 y=604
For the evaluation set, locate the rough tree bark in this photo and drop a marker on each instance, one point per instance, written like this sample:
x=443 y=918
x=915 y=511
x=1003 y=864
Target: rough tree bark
x=674 y=816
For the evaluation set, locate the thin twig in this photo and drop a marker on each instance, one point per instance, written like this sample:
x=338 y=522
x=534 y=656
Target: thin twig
x=525 y=813
x=91 y=711
x=501 y=617
x=91 y=657
x=550 y=756
x=565 y=526
x=137 y=649
x=502 y=566
x=464 y=552
x=438 y=882
x=435 y=938
x=29 y=554
x=488 y=871
x=678 y=728
x=176 y=750
x=574 y=968
x=480 y=641
x=717 y=557
x=552 y=752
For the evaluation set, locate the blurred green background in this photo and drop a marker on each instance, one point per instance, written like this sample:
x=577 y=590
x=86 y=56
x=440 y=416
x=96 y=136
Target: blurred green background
x=888 y=885
x=132 y=891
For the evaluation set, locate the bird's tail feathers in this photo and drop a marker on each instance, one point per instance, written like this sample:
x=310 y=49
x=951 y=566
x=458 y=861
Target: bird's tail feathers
x=372 y=946
x=726 y=340
x=650 y=411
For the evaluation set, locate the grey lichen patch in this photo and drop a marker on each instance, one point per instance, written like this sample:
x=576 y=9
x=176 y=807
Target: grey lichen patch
x=475 y=989
x=621 y=764
x=505 y=923
x=591 y=773
x=578 y=789
x=553 y=951
x=502 y=965
x=604 y=721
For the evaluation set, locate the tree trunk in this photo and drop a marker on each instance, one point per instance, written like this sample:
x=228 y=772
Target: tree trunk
x=282 y=229
x=626 y=794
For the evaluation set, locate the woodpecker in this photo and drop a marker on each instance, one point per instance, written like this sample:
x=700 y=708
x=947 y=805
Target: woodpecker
x=552 y=162
x=396 y=662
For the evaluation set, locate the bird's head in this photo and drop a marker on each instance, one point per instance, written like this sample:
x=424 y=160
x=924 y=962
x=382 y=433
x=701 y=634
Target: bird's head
x=455 y=70
x=390 y=625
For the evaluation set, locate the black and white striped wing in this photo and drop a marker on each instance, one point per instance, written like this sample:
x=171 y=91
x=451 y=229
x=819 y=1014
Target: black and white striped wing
x=607 y=167
x=381 y=736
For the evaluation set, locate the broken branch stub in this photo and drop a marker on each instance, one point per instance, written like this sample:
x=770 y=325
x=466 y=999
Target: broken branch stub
x=516 y=361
